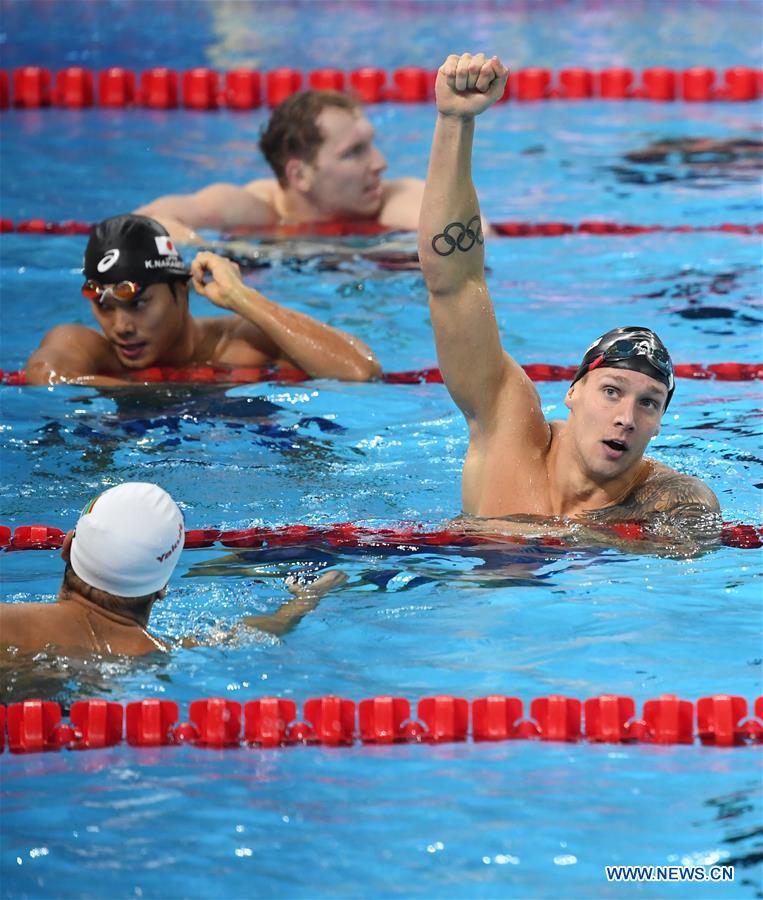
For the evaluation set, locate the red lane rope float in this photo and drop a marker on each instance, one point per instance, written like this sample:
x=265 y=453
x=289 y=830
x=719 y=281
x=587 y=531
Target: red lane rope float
x=346 y=229
x=201 y=88
x=719 y=720
x=349 y=535
x=726 y=371
x=554 y=229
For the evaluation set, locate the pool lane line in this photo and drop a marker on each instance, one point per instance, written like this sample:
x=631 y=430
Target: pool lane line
x=508 y=229
x=724 y=371
x=202 y=88
x=719 y=720
x=348 y=535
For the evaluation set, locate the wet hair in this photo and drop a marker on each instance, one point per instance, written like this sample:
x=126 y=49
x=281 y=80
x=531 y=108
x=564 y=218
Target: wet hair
x=131 y=606
x=293 y=131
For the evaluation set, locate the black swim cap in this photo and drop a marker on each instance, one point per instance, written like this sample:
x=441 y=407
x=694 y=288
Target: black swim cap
x=630 y=347
x=132 y=248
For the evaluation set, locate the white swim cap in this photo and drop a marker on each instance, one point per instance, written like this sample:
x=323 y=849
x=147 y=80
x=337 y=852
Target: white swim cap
x=128 y=540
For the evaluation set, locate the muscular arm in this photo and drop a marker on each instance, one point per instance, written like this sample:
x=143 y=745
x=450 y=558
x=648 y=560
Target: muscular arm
x=305 y=599
x=219 y=206
x=73 y=354
x=476 y=370
x=677 y=512
x=319 y=350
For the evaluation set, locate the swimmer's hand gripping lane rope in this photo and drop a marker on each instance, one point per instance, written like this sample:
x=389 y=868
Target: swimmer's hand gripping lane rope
x=720 y=720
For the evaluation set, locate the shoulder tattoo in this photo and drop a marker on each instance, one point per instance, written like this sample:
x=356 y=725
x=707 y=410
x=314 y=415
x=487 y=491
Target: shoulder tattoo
x=669 y=505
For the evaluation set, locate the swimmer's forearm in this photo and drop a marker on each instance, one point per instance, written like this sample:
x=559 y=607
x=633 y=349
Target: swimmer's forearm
x=50 y=375
x=98 y=381
x=452 y=259
x=450 y=235
x=317 y=349
x=306 y=599
x=279 y=623
x=284 y=619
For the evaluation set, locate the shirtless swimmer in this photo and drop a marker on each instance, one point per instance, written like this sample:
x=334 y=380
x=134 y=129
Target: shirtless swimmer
x=589 y=469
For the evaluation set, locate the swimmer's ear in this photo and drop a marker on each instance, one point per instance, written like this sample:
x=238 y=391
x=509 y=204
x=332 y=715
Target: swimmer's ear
x=568 y=396
x=160 y=595
x=66 y=547
x=299 y=174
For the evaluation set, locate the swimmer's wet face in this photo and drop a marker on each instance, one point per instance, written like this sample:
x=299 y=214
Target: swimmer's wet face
x=137 y=283
x=614 y=413
x=143 y=331
x=616 y=400
x=344 y=180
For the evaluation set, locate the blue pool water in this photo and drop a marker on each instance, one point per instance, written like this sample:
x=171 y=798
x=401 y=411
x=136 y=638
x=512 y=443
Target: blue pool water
x=518 y=819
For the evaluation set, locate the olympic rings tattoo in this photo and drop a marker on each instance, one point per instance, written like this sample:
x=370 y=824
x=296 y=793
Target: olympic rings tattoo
x=457 y=236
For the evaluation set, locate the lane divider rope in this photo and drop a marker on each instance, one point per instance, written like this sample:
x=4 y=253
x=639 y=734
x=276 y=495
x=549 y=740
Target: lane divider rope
x=201 y=88
x=517 y=229
x=719 y=720
x=348 y=535
x=725 y=371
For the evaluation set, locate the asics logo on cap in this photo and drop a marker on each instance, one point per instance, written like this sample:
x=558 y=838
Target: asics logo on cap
x=108 y=260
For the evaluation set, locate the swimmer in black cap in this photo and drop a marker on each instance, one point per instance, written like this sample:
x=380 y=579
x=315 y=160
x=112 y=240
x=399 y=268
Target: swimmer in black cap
x=591 y=467
x=630 y=347
x=137 y=285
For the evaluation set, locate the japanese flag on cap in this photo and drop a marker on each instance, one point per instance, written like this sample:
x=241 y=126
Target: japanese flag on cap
x=164 y=245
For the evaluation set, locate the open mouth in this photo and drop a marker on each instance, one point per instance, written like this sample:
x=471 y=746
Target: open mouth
x=617 y=446
x=131 y=351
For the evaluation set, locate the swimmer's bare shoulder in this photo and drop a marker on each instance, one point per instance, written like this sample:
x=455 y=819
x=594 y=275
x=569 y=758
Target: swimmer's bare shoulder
x=69 y=351
x=264 y=188
x=678 y=515
x=266 y=191
x=401 y=203
x=667 y=503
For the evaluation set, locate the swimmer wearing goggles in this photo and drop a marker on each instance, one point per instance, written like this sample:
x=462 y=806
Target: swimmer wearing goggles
x=588 y=468
x=124 y=291
x=138 y=286
x=630 y=347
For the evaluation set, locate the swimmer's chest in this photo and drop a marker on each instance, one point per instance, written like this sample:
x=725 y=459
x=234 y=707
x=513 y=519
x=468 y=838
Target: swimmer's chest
x=226 y=343
x=504 y=485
